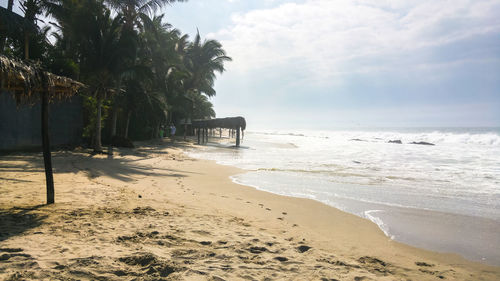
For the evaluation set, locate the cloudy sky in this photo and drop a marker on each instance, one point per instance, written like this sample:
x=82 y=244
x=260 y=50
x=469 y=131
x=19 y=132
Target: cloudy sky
x=353 y=63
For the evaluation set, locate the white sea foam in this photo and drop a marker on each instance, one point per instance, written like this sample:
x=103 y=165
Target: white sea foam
x=370 y=214
x=459 y=174
x=362 y=173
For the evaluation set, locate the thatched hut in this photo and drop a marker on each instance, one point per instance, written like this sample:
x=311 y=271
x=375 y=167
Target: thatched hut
x=26 y=80
x=30 y=84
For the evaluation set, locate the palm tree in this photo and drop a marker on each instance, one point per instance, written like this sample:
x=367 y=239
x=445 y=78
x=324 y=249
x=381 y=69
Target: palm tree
x=203 y=60
x=132 y=10
x=134 y=13
x=99 y=55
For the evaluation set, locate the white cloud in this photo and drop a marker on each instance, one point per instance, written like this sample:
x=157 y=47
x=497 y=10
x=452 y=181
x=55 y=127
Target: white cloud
x=325 y=38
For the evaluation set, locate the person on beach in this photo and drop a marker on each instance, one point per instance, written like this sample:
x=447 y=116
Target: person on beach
x=172 y=131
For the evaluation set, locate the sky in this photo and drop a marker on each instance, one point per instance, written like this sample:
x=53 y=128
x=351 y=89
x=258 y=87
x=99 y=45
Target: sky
x=337 y=63
x=322 y=64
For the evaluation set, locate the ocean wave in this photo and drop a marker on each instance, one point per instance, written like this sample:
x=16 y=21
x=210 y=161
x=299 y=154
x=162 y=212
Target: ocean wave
x=339 y=174
x=461 y=136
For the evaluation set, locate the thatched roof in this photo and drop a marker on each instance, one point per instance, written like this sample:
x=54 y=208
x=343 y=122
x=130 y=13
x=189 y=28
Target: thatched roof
x=228 y=123
x=25 y=81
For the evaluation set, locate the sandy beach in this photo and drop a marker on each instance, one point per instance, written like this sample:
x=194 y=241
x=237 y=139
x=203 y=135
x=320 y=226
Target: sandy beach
x=152 y=213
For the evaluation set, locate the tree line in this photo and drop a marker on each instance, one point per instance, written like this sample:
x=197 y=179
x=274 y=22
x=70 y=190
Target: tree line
x=141 y=73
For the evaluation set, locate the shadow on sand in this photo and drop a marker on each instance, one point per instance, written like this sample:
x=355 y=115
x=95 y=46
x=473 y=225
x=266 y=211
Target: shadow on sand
x=15 y=221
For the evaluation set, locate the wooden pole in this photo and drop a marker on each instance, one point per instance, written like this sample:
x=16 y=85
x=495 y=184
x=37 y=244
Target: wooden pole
x=198 y=133
x=238 y=136
x=47 y=159
x=220 y=133
x=185 y=130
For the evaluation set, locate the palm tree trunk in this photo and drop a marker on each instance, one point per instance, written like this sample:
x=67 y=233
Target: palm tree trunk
x=127 y=124
x=97 y=134
x=47 y=159
x=114 y=121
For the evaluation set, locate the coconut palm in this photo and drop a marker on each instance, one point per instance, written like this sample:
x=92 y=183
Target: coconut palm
x=132 y=10
x=203 y=60
x=135 y=14
x=99 y=55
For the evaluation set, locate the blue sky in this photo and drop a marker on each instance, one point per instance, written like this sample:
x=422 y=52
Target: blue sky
x=339 y=63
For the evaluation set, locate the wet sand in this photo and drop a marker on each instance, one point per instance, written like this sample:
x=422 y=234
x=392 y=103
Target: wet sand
x=475 y=238
x=152 y=213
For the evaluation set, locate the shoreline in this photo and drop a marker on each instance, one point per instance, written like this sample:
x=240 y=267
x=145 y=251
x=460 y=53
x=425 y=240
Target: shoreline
x=473 y=237
x=255 y=233
x=428 y=229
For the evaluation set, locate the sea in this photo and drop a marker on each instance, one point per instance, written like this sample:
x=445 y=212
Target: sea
x=433 y=188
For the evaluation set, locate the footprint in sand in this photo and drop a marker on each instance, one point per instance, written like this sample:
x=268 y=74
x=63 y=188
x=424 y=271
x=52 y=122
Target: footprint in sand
x=281 y=259
x=303 y=248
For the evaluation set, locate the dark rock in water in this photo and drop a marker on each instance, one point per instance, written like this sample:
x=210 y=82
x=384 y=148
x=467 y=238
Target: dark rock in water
x=357 y=162
x=422 y=143
x=395 y=141
x=357 y=140
x=122 y=142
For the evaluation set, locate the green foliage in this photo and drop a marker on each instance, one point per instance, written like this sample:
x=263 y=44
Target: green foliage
x=145 y=72
x=90 y=115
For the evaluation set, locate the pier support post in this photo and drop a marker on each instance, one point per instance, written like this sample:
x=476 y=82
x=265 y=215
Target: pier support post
x=198 y=133
x=238 y=136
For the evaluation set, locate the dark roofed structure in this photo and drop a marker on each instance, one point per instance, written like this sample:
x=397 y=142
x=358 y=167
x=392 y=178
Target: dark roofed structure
x=226 y=123
x=234 y=123
x=13 y=24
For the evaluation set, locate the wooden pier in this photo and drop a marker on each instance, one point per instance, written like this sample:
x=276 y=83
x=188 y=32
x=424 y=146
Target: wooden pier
x=236 y=125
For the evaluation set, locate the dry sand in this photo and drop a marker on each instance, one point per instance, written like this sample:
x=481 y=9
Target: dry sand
x=152 y=213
